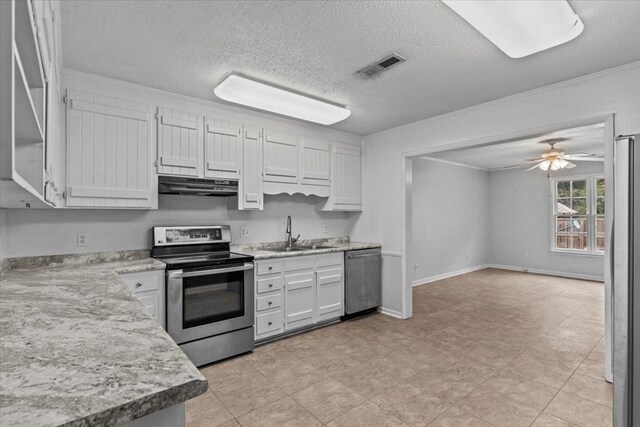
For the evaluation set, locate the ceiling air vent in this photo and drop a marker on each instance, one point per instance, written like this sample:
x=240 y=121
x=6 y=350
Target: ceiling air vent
x=383 y=65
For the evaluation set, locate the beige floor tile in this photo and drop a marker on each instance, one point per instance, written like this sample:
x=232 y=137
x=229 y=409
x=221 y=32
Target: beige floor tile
x=495 y=409
x=539 y=371
x=411 y=405
x=207 y=410
x=456 y=417
x=490 y=355
x=249 y=394
x=596 y=390
x=366 y=415
x=521 y=389
x=291 y=375
x=285 y=412
x=577 y=410
x=447 y=386
x=328 y=399
x=546 y=420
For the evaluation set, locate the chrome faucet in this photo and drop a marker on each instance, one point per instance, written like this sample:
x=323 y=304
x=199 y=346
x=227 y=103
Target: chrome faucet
x=290 y=240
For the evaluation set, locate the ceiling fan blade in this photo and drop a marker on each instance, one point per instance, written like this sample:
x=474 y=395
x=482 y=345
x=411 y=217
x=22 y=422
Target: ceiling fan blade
x=532 y=168
x=570 y=165
x=585 y=159
x=579 y=156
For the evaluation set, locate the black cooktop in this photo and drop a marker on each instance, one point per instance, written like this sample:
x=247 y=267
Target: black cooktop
x=202 y=259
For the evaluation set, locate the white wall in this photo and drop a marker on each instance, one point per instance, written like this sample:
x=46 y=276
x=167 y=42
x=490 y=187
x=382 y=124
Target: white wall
x=31 y=232
x=613 y=91
x=520 y=224
x=450 y=219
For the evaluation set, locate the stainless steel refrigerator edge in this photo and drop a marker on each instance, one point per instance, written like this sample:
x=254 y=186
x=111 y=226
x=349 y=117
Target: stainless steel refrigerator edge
x=626 y=299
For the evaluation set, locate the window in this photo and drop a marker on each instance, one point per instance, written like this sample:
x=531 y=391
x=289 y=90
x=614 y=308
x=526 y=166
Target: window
x=578 y=215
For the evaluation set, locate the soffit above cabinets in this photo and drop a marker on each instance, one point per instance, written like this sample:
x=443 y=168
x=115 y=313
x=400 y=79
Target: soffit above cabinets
x=317 y=47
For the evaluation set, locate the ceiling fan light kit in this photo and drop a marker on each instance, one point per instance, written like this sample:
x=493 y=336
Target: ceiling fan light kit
x=521 y=27
x=262 y=96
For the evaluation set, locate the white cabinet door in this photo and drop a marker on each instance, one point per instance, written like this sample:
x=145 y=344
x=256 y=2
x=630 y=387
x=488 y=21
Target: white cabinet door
x=315 y=161
x=329 y=293
x=222 y=149
x=299 y=300
x=347 y=178
x=109 y=154
x=250 y=185
x=280 y=157
x=179 y=143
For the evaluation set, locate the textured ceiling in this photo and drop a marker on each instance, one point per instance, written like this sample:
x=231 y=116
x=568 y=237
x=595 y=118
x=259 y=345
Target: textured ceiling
x=316 y=47
x=586 y=139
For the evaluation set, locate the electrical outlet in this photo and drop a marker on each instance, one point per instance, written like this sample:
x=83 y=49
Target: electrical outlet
x=326 y=229
x=83 y=239
x=415 y=267
x=526 y=257
x=244 y=232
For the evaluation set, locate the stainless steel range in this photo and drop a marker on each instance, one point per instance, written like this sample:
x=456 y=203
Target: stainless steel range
x=209 y=291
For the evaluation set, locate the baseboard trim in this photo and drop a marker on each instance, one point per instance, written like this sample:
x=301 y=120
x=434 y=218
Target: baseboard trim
x=390 y=312
x=426 y=280
x=547 y=272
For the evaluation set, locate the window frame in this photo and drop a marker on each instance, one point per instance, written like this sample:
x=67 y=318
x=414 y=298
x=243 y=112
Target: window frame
x=591 y=214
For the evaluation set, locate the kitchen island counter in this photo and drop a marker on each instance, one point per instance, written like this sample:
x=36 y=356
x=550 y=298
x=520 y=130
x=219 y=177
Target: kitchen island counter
x=77 y=348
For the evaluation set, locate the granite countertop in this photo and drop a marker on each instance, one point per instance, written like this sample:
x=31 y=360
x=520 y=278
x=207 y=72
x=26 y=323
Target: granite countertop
x=77 y=348
x=339 y=244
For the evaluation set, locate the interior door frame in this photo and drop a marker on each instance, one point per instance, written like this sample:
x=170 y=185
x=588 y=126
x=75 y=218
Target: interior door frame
x=406 y=206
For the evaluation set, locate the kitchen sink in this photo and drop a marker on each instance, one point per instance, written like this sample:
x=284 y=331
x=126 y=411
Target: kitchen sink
x=299 y=248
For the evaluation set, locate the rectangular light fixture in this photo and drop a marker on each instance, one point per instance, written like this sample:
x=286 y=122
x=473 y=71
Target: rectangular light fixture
x=244 y=91
x=521 y=27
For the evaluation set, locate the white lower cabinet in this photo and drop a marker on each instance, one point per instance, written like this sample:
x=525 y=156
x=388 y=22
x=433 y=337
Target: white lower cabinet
x=297 y=292
x=148 y=287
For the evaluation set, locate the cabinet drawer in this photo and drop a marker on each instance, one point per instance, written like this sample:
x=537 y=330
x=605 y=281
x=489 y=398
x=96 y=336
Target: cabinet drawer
x=268 y=302
x=300 y=262
x=336 y=258
x=269 y=284
x=269 y=266
x=142 y=282
x=269 y=324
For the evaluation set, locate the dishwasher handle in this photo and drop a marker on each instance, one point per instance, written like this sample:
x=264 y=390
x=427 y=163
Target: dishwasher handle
x=362 y=253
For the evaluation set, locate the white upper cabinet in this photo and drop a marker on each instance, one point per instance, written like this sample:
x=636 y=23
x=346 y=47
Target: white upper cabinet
x=109 y=152
x=346 y=181
x=250 y=185
x=179 y=143
x=222 y=149
x=280 y=151
x=315 y=162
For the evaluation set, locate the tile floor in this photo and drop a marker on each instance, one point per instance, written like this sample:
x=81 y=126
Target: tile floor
x=489 y=348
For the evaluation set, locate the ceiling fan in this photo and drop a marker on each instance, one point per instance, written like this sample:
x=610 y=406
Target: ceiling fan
x=555 y=158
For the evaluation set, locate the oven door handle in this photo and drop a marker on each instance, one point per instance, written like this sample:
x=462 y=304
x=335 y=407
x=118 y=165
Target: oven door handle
x=181 y=273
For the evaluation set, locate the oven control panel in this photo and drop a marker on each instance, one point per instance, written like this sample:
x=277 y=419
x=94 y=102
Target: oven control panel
x=163 y=236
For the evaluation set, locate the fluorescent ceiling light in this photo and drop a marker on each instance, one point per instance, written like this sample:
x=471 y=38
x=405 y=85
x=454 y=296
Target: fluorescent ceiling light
x=241 y=90
x=521 y=27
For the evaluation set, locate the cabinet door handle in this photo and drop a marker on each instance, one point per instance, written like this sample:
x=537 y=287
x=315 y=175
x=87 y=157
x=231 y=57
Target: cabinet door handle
x=270 y=302
x=270 y=323
x=139 y=285
x=270 y=267
x=271 y=285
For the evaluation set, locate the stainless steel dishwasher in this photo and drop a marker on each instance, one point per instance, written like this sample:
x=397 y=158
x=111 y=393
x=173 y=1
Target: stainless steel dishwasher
x=363 y=280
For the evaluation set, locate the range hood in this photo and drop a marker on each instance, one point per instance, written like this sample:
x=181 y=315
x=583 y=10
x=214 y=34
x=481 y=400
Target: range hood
x=197 y=186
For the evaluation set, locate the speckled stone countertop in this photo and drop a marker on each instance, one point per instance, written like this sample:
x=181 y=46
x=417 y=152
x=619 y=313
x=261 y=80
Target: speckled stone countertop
x=77 y=348
x=339 y=244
